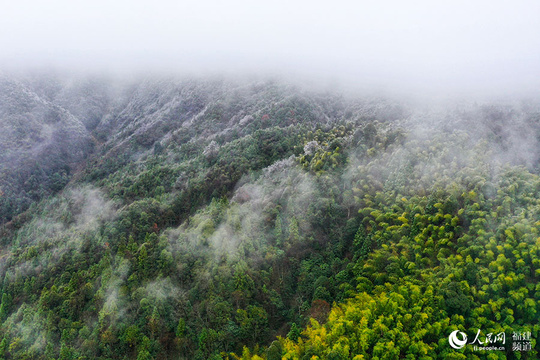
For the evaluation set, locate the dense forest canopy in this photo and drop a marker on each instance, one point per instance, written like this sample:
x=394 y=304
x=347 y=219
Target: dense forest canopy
x=220 y=219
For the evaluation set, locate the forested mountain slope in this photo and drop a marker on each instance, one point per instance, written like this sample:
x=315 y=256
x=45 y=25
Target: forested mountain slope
x=40 y=143
x=201 y=218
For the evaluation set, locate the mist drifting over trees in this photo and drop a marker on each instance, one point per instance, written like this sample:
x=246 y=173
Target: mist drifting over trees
x=206 y=180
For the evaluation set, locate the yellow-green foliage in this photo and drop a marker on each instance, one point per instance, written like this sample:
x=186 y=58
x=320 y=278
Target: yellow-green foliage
x=461 y=251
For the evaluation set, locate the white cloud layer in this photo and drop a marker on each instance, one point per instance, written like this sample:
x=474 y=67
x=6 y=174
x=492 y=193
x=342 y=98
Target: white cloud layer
x=411 y=44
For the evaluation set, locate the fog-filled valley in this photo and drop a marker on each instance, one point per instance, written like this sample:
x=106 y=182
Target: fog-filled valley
x=205 y=217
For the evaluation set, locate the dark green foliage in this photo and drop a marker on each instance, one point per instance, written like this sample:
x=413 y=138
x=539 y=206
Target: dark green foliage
x=238 y=214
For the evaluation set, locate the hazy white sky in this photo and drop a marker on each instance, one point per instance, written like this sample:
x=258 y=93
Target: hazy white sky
x=441 y=44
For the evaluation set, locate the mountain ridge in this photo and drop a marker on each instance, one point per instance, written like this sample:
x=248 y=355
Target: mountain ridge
x=210 y=217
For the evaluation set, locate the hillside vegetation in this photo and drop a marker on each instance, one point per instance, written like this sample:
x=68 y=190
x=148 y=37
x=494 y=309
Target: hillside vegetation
x=212 y=219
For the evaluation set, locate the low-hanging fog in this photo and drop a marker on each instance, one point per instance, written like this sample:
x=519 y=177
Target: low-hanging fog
x=449 y=47
x=197 y=179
